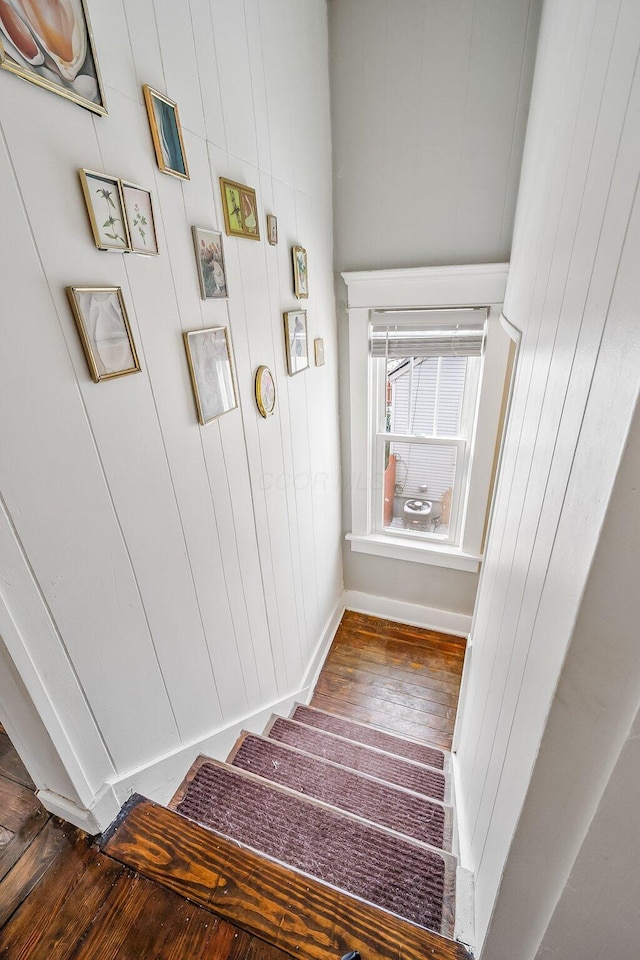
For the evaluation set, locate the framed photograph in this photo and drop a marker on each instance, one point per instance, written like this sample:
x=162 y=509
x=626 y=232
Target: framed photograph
x=265 y=391
x=300 y=275
x=318 y=349
x=272 y=229
x=103 y=325
x=51 y=44
x=211 y=369
x=166 y=131
x=141 y=222
x=240 y=208
x=210 y=263
x=105 y=206
x=295 y=339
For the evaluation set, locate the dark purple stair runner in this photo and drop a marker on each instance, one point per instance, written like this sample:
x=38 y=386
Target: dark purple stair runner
x=381 y=803
x=430 y=783
x=430 y=756
x=384 y=869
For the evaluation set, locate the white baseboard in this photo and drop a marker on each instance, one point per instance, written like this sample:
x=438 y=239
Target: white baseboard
x=430 y=618
x=160 y=778
x=103 y=811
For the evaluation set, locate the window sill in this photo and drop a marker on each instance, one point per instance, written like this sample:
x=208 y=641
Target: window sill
x=399 y=548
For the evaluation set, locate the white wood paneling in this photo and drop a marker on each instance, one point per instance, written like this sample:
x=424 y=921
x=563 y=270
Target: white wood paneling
x=188 y=577
x=576 y=384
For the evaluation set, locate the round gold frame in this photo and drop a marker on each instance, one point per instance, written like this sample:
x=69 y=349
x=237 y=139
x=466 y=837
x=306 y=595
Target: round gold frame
x=266 y=405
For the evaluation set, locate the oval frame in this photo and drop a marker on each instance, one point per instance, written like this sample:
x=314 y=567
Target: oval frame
x=265 y=410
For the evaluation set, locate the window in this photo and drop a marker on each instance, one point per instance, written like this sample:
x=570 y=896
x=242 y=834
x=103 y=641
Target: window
x=427 y=383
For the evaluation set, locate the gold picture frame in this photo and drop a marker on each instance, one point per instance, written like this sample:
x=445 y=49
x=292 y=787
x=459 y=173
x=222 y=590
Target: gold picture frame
x=318 y=351
x=300 y=273
x=104 y=199
x=212 y=375
x=166 y=132
x=105 y=333
x=265 y=390
x=40 y=59
x=296 y=341
x=240 y=209
x=272 y=229
x=141 y=219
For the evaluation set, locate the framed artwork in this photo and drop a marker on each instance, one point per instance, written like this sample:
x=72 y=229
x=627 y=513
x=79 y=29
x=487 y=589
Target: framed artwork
x=141 y=222
x=103 y=325
x=51 y=44
x=240 y=208
x=318 y=349
x=272 y=229
x=210 y=263
x=211 y=369
x=265 y=387
x=105 y=206
x=295 y=339
x=300 y=275
x=166 y=131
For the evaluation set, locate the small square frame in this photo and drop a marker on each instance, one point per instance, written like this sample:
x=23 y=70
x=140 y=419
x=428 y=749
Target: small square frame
x=296 y=341
x=213 y=397
x=162 y=110
x=116 y=311
x=300 y=273
x=240 y=209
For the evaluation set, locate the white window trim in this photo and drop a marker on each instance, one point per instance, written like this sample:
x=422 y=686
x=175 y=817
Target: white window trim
x=424 y=287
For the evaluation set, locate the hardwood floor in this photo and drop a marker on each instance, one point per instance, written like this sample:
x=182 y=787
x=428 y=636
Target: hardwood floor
x=400 y=678
x=162 y=888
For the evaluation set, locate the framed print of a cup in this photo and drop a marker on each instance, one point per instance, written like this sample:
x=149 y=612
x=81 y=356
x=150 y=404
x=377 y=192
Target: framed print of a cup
x=103 y=325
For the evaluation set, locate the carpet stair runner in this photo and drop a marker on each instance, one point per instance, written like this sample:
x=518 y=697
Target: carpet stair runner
x=350 y=805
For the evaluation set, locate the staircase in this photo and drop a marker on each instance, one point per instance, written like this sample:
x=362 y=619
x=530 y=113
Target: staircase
x=342 y=804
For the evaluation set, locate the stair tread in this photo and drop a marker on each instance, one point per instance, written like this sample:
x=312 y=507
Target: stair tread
x=302 y=916
x=406 y=878
x=408 y=813
x=361 y=757
x=371 y=736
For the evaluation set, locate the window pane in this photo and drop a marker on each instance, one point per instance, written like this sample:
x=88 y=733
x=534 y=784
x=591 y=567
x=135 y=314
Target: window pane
x=424 y=396
x=418 y=486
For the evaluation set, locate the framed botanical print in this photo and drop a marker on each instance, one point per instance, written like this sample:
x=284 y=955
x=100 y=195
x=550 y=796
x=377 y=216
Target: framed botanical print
x=51 y=44
x=105 y=206
x=210 y=263
x=300 y=274
x=166 y=132
x=240 y=209
x=318 y=349
x=211 y=369
x=295 y=340
x=141 y=222
x=265 y=387
x=103 y=325
x=272 y=229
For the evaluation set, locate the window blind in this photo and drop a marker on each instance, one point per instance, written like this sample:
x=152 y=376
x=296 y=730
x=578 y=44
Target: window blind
x=395 y=341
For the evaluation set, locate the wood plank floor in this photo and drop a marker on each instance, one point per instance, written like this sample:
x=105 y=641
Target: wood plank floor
x=399 y=678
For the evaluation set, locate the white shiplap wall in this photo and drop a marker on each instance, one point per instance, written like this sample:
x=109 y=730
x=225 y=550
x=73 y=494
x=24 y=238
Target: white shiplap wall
x=187 y=572
x=574 y=290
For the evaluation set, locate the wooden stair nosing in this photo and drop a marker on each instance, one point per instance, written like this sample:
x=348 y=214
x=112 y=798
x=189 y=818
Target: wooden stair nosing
x=361 y=723
x=300 y=915
x=336 y=736
x=447 y=808
x=449 y=860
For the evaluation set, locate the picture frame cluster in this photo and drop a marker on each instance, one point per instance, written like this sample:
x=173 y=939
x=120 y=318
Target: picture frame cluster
x=123 y=220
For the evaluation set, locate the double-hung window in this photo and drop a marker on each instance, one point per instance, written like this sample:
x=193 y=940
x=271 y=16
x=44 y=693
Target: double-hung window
x=425 y=372
x=429 y=368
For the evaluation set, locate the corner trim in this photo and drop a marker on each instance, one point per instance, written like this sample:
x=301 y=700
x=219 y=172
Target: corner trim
x=93 y=820
x=429 y=618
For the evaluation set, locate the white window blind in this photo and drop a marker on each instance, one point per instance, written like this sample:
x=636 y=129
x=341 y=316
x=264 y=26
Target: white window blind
x=394 y=341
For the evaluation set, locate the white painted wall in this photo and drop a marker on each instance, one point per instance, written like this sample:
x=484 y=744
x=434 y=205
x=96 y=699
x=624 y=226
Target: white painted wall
x=429 y=108
x=176 y=577
x=574 y=289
